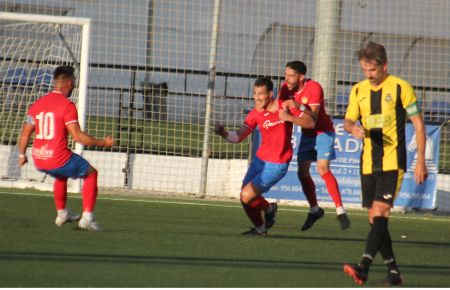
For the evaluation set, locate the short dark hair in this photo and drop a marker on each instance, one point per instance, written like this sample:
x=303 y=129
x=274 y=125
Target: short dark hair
x=64 y=71
x=372 y=51
x=264 y=82
x=298 y=66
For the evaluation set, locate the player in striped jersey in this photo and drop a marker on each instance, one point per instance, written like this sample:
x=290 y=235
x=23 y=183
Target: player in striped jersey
x=376 y=113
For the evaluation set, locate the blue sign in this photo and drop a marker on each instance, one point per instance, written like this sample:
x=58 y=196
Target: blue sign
x=346 y=170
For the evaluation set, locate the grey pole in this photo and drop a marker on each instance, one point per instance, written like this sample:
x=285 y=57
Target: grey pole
x=209 y=96
x=325 y=48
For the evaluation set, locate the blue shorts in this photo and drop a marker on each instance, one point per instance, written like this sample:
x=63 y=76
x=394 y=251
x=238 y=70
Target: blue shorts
x=264 y=174
x=320 y=147
x=76 y=167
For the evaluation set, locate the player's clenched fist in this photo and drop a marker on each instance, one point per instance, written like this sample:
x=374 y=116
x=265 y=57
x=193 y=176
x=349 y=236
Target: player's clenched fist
x=220 y=130
x=109 y=141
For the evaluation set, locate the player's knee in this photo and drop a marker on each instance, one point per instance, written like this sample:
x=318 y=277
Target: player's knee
x=322 y=169
x=91 y=171
x=245 y=197
x=247 y=194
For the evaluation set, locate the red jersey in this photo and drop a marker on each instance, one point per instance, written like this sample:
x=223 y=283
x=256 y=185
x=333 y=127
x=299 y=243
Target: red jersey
x=276 y=135
x=50 y=115
x=310 y=94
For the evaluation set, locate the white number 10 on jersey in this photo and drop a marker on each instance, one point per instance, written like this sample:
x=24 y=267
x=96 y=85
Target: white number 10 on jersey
x=46 y=124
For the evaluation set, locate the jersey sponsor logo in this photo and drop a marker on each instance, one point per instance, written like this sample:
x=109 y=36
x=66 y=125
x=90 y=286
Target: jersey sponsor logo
x=267 y=124
x=387 y=196
x=42 y=152
x=376 y=121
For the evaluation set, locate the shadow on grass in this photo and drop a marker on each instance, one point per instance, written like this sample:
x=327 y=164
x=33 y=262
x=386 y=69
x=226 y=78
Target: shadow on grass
x=188 y=261
x=291 y=237
x=333 y=239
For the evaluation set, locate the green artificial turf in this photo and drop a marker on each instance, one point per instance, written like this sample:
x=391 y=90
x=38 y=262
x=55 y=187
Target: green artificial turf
x=164 y=242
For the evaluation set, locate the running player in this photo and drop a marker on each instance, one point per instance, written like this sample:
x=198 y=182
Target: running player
x=51 y=118
x=273 y=156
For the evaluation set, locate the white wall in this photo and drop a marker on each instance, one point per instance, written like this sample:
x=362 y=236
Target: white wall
x=154 y=173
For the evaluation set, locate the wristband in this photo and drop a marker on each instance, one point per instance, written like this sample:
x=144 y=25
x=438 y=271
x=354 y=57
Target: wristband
x=22 y=156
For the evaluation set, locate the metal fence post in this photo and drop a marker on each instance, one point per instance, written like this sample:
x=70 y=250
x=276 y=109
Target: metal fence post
x=324 y=63
x=209 y=96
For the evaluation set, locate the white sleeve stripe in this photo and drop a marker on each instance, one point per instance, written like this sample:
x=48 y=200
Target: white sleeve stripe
x=315 y=104
x=73 y=121
x=301 y=114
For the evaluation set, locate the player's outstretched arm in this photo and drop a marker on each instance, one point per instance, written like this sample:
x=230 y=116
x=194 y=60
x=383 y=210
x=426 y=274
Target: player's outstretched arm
x=86 y=139
x=25 y=135
x=232 y=136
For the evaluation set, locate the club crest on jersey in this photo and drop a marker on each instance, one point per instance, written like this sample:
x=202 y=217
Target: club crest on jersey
x=388 y=98
x=305 y=100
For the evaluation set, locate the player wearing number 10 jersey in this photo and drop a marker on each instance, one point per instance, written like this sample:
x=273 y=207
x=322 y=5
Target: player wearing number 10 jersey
x=52 y=118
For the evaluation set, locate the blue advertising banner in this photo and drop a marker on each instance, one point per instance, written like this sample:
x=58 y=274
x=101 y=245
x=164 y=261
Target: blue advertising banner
x=346 y=169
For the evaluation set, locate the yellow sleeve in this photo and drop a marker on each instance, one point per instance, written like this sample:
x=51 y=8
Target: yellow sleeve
x=353 y=112
x=409 y=99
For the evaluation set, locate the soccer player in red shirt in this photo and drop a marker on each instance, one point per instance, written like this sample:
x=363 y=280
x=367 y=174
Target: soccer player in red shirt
x=273 y=156
x=316 y=144
x=51 y=118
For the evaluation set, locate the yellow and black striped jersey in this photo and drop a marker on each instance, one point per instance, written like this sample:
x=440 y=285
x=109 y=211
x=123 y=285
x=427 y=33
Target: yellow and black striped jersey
x=382 y=111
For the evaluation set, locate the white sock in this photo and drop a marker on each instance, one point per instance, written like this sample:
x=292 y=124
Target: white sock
x=62 y=212
x=314 y=209
x=261 y=229
x=88 y=215
x=340 y=210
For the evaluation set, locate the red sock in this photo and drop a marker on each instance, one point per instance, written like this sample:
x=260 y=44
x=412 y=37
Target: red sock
x=60 y=192
x=333 y=188
x=254 y=210
x=254 y=215
x=90 y=192
x=309 y=189
x=259 y=203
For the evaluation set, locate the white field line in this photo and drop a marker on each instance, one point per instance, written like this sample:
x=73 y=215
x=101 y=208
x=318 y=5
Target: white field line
x=363 y=213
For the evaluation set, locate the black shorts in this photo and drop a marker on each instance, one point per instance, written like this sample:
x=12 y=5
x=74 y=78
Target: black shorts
x=381 y=186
